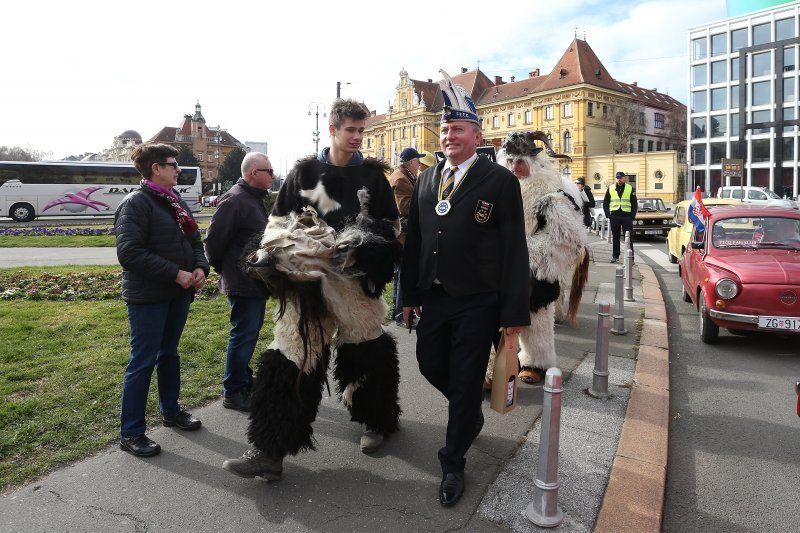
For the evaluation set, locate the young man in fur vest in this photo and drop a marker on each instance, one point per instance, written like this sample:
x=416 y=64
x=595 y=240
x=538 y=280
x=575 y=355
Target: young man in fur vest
x=328 y=251
x=556 y=238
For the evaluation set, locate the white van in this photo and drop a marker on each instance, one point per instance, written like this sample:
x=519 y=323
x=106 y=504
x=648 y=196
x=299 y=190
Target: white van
x=754 y=195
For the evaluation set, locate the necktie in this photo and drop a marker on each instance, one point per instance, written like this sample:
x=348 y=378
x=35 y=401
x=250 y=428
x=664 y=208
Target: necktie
x=448 y=183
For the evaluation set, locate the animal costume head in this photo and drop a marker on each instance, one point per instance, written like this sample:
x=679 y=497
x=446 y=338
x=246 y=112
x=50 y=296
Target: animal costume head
x=544 y=177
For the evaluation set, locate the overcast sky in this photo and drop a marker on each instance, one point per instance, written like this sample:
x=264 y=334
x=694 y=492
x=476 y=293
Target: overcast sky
x=77 y=73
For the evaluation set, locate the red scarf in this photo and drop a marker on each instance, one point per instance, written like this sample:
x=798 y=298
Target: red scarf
x=185 y=221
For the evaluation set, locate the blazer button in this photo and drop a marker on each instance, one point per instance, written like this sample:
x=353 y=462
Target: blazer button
x=434 y=253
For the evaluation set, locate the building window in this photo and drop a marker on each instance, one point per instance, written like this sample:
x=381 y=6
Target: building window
x=719 y=98
x=699 y=154
x=788 y=114
x=641 y=118
x=719 y=71
x=658 y=121
x=199 y=156
x=495 y=122
x=605 y=111
x=761 y=65
x=784 y=29
x=589 y=108
x=641 y=145
x=658 y=146
x=738 y=39
x=649 y=146
x=734 y=96
x=699 y=48
x=404 y=132
x=567 y=142
x=511 y=120
x=528 y=116
x=698 y=127
x=788 y=59
x=719 y=44
x=548 y=112
x=567 y=109
x=760 y=149
x=549 y=138
x=394 y=135
x=760 y=117
x=414 y=131
x=699 y=75
x=735 y=124
x=788 y=149
x=719 y=126
x=761 y=93
x=788 y=90
x=717 y=153
x=761 y=34
x=699 y=102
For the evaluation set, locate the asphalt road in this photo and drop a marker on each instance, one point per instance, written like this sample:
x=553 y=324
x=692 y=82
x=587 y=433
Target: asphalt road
x=734 y=451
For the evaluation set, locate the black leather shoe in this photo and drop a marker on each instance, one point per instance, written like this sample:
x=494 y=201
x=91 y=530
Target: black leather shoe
x=182 y=420
x=451 y=489
x=239 y=401
x=140 y=446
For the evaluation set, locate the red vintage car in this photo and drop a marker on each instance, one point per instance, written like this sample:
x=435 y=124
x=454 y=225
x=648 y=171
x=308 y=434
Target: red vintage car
x=743 y=272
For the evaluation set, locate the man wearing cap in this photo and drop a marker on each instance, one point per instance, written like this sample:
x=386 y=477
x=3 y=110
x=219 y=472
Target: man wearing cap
x=619 y=206
x=464 y=261
x=402 y=181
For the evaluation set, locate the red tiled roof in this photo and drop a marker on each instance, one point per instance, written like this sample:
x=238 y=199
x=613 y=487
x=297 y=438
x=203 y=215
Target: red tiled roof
x=579 y=64
x=167 y=134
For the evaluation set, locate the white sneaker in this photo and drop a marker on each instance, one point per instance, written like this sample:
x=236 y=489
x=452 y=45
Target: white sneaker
x=371 y=441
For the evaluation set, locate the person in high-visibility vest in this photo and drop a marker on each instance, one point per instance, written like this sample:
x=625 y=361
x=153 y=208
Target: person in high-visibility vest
x=620 y=208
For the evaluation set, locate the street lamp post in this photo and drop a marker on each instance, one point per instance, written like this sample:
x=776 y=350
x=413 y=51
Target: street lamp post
x=315 y=133
x=339 y=88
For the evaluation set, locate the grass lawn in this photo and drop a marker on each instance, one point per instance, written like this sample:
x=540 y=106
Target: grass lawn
x=61 y=369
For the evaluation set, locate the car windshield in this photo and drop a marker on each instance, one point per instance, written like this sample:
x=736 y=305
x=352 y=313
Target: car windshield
x=651 y=204
x=756 y=232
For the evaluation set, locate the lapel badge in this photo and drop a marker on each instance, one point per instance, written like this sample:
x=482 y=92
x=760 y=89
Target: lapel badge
x=483 y=211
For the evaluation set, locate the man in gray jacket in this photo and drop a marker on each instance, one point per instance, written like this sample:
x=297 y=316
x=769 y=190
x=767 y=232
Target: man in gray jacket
x=240 y=216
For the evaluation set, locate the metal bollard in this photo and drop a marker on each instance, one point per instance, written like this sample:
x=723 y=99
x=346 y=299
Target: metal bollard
x=543 y=509
x=619 y=302
x=599 y=388
x=629 y=276
x=609 y=236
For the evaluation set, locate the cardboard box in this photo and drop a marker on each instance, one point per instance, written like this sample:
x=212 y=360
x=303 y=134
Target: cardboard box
x=504 y=377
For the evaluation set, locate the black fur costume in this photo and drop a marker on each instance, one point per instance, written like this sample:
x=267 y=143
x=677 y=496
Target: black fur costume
x=327 y=253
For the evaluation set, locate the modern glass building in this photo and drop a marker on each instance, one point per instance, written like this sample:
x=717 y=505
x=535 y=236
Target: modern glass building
x=743 y=86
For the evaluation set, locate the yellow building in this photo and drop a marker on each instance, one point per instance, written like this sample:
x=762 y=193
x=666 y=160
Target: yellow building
x=583 y=110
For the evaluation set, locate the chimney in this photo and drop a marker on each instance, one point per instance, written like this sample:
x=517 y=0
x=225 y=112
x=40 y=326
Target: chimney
x=635 y=84
x=463 y=70
x=430 y=80
x=534 y=74
x=512 y=79
x=498 y=80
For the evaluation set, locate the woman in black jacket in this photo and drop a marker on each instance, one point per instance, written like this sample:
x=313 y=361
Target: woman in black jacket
x=163 y=263
x=588 y=201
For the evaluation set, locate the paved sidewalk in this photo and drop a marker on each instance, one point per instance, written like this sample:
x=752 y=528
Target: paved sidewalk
x=337 y=488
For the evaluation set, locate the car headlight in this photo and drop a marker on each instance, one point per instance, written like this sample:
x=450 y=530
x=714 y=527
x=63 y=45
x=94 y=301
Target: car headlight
x=727 y=288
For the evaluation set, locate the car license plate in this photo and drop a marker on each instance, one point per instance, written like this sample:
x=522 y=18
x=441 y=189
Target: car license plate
x=779 y=323
x=652 y=232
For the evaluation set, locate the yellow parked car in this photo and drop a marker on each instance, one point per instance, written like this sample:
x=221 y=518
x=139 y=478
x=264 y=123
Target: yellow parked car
x=681 y=232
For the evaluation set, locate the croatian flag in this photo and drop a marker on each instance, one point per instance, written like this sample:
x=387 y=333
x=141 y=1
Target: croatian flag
x=697 y=211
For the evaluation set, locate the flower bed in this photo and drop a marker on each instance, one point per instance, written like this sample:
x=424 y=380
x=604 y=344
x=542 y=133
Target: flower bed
x=103 y=285
x=81 y=232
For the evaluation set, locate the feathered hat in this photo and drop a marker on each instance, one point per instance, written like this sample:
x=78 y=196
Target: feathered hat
x=522 y=144
x=457 y=104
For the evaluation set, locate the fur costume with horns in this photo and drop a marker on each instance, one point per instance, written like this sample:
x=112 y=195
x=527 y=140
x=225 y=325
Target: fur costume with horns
x=329 y=285
x=556 y=238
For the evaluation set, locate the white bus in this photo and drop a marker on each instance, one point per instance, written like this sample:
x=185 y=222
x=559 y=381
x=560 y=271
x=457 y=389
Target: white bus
x=61 y=188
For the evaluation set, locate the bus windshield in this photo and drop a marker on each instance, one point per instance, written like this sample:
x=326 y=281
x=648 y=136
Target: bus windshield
x=32 y=189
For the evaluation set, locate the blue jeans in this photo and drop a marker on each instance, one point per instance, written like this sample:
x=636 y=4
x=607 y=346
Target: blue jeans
x=397 y=297
x=155 y=333
x=247 y=317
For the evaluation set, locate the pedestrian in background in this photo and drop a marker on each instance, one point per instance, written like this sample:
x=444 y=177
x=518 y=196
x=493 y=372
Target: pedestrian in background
x=465 y=273
x=588 y=201
x=619 y=206
x=240 y=216
x=163 y=264
x=402 y=181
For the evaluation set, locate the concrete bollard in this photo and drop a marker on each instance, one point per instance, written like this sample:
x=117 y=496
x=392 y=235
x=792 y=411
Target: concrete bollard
x=629 y=276
x=619 y=305
x=599 y=388
x=543 y=509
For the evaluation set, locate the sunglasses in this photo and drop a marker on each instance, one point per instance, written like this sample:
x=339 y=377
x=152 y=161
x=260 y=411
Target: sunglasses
x=269 y=171
x=173 y=164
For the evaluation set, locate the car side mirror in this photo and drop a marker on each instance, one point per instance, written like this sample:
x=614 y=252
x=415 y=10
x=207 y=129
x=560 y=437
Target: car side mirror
x=698 y=245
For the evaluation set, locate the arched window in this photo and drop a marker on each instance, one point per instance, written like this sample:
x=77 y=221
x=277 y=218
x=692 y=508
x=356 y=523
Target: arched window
x=567 y=142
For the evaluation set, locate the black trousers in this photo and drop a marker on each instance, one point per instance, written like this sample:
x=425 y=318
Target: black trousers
x=619 y=225
x=454 y=338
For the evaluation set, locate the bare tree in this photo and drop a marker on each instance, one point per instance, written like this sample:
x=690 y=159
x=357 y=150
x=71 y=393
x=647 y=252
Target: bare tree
x=17 y=153
x=675 y=128
x=628 y=120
